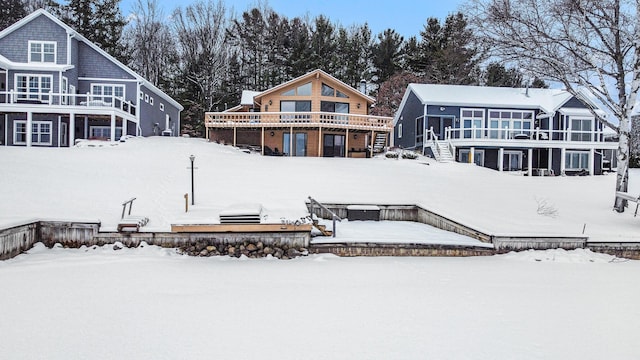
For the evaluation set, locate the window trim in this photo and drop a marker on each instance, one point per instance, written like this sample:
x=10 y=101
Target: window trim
x=500 y=132
x=568 y=163
x=161 y=107
x=113 y=87
x=26 y=95
x=468 y=152
x=473 y=118
x=581 y=132
x=38 y=133
x=42 y=53
x=104 y=127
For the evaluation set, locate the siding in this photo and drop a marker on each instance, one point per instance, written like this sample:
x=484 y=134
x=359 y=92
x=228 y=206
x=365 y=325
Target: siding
x=14 y=46
x=151 y=114
x=95 y=65
x=412 y=109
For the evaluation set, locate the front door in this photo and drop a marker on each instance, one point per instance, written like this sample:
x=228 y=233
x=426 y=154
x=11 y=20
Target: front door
x=512 y=161
x=296 y=146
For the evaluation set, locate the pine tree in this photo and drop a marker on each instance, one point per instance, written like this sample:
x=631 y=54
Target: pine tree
x=387 y=55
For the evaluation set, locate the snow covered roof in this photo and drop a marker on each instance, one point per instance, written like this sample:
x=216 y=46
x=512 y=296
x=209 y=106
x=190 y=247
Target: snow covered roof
x=247 y=97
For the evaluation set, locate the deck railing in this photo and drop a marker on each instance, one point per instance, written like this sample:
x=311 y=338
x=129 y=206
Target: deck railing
x=64 y=99
x=536 y=134
x=248 y=119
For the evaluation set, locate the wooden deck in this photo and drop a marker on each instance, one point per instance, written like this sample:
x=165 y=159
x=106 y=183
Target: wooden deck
x=239 y=228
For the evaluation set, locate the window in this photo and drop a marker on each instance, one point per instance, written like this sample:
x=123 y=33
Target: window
x=141 y=95
x=576 y=160
x=505 y=124
x=64 y=89
x=419 y=131
x=512 y=161
x=330 y=91
x=478 y=156
x=295 y=106
x=42 y=51
x=161 y=107
x=107 y=92
x=302 y=90
x=472 y=119
x=581 y=129
x=151 y=101
x=40 y=132
x=299 y=144
x=399 y=131
x=337 y=107
x=103 y=132
x=33 y=87
x=146 y=98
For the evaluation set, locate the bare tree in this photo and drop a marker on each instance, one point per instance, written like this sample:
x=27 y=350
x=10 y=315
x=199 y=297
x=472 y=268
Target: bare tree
x=592 y=47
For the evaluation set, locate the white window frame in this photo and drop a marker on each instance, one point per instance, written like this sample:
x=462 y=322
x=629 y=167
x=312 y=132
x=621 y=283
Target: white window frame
x=26 y=94
x=141 y=95
x=161 y=107
x=400 y=131
x=64 y=89
x=35 y=131
x=151 y=100
x=502 y=132
x=146 y=98
x=508 y=154
x=583 y=156
x=581 y=132
x=107 y=98
x=474 y=122
x=42 y=53
x=104 y=129
x=475 y=157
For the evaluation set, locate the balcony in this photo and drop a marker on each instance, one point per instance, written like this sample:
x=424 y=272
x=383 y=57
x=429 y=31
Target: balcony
x=298 y=119
x=65 y=103
x=523 y=137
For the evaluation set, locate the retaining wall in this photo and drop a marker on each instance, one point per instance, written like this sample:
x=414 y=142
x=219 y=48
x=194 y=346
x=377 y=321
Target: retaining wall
x=17 y=239
x=360 y=249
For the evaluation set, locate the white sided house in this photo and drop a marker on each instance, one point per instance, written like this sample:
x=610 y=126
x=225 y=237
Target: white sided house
x=539 y=131
x=56 y=86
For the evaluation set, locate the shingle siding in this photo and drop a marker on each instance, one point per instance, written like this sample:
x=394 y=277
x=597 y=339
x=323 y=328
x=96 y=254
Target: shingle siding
x=94 y=65
x=15 y=46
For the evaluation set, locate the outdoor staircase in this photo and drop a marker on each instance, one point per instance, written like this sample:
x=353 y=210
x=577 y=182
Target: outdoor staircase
x=442 y=152
x=321 y=228
x=380 y=142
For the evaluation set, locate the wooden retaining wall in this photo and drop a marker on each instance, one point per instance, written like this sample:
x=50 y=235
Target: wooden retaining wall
x=629 y=250
x=518 y=243
x=16 y=239
x=371 y=249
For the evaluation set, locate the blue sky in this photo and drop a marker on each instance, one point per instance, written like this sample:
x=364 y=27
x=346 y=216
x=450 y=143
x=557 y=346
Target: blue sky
x=405 y=16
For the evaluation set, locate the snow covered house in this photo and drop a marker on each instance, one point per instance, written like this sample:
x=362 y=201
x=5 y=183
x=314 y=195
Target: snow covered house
x=312 y=115
x=542 y=131
x=56 y=86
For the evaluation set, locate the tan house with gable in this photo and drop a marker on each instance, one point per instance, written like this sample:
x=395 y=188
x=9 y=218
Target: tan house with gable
x=312 y=115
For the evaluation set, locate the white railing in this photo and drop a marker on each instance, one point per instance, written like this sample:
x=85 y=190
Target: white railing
x=536 y=134
x=224 y=119
x=432 y=141
x=64 y=99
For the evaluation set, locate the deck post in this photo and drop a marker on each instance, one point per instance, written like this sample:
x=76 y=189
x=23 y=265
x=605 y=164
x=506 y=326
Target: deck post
x=235 y=134
x=320 y=141
x=372 y=142
x=563 y=163
x=29 y=127
x=472 y=155
x=291 y=141
x=113 y=127
x=72 y=129
x=592 y=159
x=550 y=165
x=501 y=159
x=530 y=161
x=86 y=127
x=262 y=143
x=346 y=144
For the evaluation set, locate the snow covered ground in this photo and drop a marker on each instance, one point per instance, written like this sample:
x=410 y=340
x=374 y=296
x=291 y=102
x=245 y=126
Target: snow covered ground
x=149 y=302
x=91 y=182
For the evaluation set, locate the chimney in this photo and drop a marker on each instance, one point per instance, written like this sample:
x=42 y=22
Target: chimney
x=363 y=86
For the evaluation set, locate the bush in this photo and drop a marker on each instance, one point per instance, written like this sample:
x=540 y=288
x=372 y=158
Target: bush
x=409 y=155
x=391 y=155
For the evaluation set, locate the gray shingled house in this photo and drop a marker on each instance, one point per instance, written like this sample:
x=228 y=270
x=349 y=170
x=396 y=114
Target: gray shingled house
x=56 y=86
x=540 y=131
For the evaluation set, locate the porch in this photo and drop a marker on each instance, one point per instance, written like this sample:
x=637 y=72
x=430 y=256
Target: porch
x=302 y=134
x=109 y=114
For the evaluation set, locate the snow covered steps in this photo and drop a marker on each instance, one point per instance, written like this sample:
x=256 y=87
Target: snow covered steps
x=242 y=214
x=132 y=223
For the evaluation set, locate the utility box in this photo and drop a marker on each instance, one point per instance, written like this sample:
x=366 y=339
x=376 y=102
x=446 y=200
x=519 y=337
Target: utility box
x=363 y=212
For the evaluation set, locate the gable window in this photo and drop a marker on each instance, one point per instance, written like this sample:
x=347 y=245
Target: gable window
x=581 y=129
x=330 y=91
x=302 y=90
x=42 y=51
x=33 y=87
x=40 y=132
x=106 y=92
x=161 y=107
x=576 y=160
x=151 y=101
x=472 y=119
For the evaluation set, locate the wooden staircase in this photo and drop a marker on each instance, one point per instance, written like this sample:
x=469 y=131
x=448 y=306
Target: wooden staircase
x=380 y=142
x=322 y=228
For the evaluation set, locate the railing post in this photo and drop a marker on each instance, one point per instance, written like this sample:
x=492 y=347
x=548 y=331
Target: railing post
x=50 y=97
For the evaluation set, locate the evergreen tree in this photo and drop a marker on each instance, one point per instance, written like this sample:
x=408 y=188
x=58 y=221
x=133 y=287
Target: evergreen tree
x=387 y=55
x=498 y=75
x=11 y=11
x=100 y=21
x=323 y=45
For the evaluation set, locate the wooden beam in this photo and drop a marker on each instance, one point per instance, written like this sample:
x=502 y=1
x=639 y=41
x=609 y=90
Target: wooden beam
x=238 y=228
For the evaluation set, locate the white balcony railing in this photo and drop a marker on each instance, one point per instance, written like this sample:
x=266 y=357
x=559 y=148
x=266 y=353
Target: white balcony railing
x=249 y=119
x=495 y=134
x=71 y=100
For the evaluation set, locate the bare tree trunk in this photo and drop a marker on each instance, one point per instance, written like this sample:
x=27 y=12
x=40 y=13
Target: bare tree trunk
x=622 y=177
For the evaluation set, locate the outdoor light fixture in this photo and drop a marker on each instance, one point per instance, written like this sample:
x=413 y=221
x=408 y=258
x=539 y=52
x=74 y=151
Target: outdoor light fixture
x=355 y=136
x=270 y=102
x=442 y=108
x=358 y=105
x=272 y=133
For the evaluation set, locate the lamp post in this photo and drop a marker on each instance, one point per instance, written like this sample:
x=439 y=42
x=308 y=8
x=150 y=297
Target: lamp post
x=192 y=158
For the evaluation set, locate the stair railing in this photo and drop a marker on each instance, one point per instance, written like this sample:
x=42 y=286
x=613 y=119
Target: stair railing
x=313 y=203
x=432 y=141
